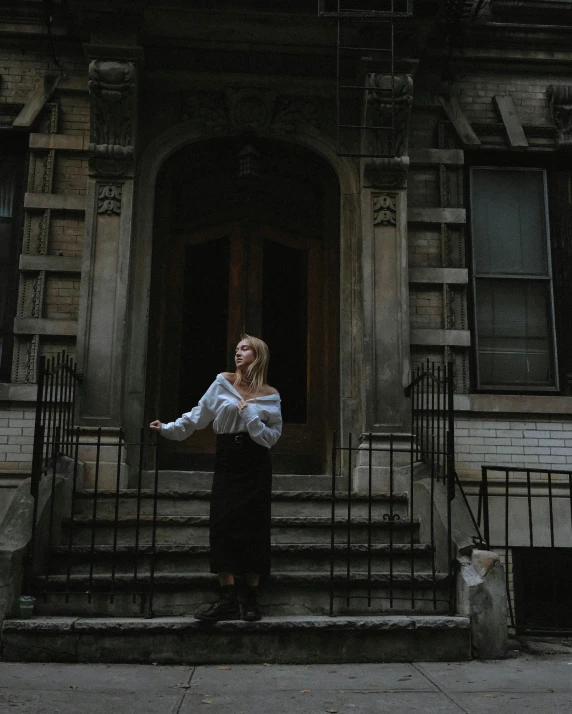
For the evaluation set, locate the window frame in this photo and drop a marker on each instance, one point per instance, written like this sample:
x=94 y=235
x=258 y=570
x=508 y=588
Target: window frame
x=546 y=278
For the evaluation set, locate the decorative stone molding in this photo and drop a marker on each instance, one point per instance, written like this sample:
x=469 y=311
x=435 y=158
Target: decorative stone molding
x=109 y=199
x=388 y=102
x=113 y=115
x=224 y=112
x=384 y=210
x=386 y=173
x=560 y=104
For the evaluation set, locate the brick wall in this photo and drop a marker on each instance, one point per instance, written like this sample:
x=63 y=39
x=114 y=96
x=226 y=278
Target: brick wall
x=61 y=299
x=16 y=436
x=425 y=247
x=70 y=174
x=426 y=307
x=476 y=92
x=541 y=442
x=66 y=235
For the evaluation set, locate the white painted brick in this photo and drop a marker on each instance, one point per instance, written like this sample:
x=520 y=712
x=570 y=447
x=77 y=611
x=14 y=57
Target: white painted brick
x=12 y=431
x=463 y=449
x=12 y=449
x=3 y=439
x=483 y=432
x=27 y=448
x=524 y=442
x=551 y=442
x=564 y=435
x=496 y=425
x=510 y=433
x=501 y=442
x=557 y=461
x=28 y=432
x=483 y=449
x=520 y=425
x=552 y=426
x=3 y=422
x=531 y=459
x=16 y=414
x=537 y=435
x=19 y=457
x=21 y=422
x=536 y=450
x=470 y=440
x=510 y=450
x=560 y=452
x=465 y=432
x=20 y=440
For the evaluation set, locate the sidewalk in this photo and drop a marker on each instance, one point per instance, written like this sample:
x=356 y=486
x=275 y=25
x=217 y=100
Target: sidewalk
x=528 y=684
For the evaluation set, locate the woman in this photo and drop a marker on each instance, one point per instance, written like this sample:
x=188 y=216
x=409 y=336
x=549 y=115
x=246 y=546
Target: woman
x=246 y=417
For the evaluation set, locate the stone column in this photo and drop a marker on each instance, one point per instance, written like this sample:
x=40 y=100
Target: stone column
x=386 y=296
x=107 y=246
x=107 y=241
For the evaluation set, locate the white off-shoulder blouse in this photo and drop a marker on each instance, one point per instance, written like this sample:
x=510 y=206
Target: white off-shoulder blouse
x=261 y=417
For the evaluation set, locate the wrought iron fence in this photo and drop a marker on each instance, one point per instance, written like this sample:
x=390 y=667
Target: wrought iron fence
x=526 y=513
x=382 y=555
x=101 y=550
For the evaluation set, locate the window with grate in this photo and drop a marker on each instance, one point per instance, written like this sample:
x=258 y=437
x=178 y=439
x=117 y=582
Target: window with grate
x=512 y=280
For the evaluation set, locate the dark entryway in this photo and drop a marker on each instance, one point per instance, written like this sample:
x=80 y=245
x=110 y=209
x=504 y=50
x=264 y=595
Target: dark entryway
x=247 y=246
x=542 y=589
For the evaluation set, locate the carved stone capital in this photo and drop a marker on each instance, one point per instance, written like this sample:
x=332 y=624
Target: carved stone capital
x=387 y=103
x=386 y=173
x=385 y=209
x=560 y=104
x=112 y=87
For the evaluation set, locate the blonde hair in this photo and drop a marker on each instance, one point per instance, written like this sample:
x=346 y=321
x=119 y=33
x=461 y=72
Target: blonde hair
x=256 y=373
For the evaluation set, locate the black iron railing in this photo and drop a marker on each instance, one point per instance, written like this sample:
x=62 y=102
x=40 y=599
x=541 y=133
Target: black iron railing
x=102 y=549
x=526 y=514
x=382 y=557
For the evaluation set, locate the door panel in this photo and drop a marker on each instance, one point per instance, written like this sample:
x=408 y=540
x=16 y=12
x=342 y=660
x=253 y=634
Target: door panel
x=266 y=281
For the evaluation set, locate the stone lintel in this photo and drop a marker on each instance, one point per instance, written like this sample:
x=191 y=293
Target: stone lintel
x=451 y=157
x=437 y=215
x=63 y=142
x=36 y=101
x=440 y=276
x=44 y=326
x=54 y=201
x=452 y=338
x=51 y=263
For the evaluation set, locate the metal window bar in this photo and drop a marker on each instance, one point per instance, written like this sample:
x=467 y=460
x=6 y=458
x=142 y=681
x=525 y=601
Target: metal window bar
x=547 y=528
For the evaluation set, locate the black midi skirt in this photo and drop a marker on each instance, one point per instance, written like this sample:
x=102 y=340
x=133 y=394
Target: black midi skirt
x=240 y=506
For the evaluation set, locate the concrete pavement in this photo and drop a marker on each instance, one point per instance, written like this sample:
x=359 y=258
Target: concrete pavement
x=524 y=685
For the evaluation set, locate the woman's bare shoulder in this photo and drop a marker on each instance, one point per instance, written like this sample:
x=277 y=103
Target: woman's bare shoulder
x=267 y=390
x=228 y=375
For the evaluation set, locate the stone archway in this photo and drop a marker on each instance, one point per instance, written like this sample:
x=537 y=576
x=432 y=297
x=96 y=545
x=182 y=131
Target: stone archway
x=154 y=156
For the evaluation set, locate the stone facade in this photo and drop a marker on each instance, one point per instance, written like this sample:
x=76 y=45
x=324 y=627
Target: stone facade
x=100 y=136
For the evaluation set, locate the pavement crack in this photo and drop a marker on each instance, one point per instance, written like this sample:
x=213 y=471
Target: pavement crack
x=186 y=687
x=437 y=684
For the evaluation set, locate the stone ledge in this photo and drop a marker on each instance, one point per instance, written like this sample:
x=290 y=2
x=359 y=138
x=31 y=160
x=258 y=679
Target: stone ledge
x=440 y=276
x=292 y=622
x=63 y=142
x=54 y=201
x=424 y=157
x=44 y=326
x=52 y=263
x=525 y=404
x=437 y=215
x=18 y=392
x=453 y=338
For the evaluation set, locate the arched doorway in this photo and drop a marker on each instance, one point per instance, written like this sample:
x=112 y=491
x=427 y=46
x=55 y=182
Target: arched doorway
x=246 y=239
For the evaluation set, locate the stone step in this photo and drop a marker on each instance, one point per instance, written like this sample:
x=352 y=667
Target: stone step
x=284 y=503
x=280 y=640
x=195 y=558
x=194 y=530
x=196 y=480
x=296 y=593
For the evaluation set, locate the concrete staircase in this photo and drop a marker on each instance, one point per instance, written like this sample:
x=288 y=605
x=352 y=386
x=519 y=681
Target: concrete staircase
x=406 y=619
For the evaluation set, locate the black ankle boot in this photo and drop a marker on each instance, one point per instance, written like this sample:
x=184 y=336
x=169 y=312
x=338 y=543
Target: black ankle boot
x=225 y=608
x=251 y=608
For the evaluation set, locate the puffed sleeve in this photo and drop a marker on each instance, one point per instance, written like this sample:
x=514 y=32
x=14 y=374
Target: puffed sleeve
x=197 y=418
x=263 y=433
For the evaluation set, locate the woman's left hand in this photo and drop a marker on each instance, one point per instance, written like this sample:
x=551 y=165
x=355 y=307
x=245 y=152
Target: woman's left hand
x=241 y=405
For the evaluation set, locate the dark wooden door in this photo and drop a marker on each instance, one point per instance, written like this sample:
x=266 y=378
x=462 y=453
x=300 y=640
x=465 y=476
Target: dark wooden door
x=267 y=281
